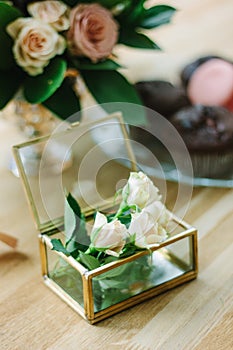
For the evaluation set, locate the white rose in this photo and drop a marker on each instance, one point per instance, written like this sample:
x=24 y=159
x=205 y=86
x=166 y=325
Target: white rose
x=159 y=213
x=140 y=190
x=35 y=44
x=109 y=237
x=51 y=12
x=146 y=229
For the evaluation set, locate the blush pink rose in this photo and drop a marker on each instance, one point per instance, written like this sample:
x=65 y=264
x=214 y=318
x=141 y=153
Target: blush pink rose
x=93 y=32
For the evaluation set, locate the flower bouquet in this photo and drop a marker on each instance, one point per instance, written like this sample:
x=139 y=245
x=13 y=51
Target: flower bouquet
x=46 y=45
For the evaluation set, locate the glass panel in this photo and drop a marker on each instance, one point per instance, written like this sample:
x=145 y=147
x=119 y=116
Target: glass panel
x=142 y=274
x=181 y=251
x=91 y=160
x=68 y=278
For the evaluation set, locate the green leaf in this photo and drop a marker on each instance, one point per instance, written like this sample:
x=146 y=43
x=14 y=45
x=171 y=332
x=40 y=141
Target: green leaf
x=10 y=82
x=86 y=64
x=138 y=40
x=64 y=102
x=157 y=16
x=7 y=15
x=135 y=14
x=59 y=247
x=89 y=261
x=131 y=13
x=125 y=219
x=71 y=201
x=111 y=86
x=69 y=220
x=39 y=88
x=77 y=237
x=117 y=271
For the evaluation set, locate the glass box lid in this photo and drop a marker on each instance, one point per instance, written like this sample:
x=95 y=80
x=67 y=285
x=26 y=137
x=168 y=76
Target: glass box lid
x=89 y=160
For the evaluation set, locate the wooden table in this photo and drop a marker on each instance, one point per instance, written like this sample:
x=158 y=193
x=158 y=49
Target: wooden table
x=197 y=315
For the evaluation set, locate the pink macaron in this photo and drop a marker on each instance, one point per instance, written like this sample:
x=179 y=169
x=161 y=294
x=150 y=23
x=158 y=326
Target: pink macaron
x=211 y=84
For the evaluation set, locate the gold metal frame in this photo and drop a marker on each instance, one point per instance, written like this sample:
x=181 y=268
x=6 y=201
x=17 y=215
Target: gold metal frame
x=87 y=311
x=47 y=226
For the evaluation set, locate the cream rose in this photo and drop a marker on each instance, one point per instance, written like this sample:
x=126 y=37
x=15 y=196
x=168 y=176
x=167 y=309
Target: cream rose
x=109 y=237
x=93 y=31
x=159 y=213
x=140 y=190
x=51 y=12
x=35 y=44
x=146 y=229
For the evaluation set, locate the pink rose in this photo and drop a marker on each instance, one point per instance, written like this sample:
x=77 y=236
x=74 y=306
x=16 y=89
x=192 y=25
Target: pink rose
x=93 y=31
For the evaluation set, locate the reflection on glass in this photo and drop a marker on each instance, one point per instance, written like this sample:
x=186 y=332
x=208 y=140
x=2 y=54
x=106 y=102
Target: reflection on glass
x=69 y=279
x=140 y=275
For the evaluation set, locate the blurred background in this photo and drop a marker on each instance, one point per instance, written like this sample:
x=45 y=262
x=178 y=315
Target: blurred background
x=198 y=28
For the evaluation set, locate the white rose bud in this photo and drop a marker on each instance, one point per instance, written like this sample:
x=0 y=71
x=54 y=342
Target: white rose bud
x=51 y=12
x=140 y=190
x=109 y=237
x=35 y=44
x=146 y=229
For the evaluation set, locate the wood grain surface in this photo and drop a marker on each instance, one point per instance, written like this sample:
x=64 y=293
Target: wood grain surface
x=194 y=316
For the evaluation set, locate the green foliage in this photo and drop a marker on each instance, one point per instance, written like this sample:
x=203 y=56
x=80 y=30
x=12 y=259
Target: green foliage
x=10 y=81
x=111 y=86
x=138 y=40
x=86 y=64
x=89 y=261
x=64 y=102
x=75 y=226
x=70 y=217
x=39 y=88
x=157 y=16
x=7 y=14
x=136 y=17
x=105 y=3
x=59 y=247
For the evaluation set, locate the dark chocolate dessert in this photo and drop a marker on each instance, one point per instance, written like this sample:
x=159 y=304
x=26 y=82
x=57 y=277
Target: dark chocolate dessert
x=201 y=111
x=208 y=135
x=205 y=128
x=162 y=96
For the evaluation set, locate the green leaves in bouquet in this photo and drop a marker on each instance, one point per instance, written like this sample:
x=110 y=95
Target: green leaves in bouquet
x=136 y=17
x=157 y=16
x=111 y=86
x=84 y=63
x=64 y=102
x=39 y=88
x=130 y=37
x=10 y=81
x=105 y=3
x=7 y=14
